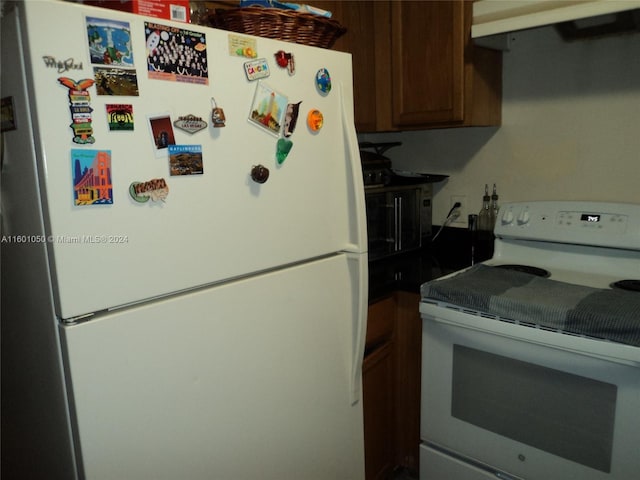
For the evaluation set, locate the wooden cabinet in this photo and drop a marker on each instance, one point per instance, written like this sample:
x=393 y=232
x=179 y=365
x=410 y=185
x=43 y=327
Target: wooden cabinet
x=408 y=343
x=379 y=425
x=366 y=22
x=391 y=385
x=427 y=49
x=416 y=67
x=378 y=373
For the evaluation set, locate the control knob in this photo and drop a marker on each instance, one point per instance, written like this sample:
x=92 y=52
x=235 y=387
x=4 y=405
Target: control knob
x=524 y=217
x=507 y=217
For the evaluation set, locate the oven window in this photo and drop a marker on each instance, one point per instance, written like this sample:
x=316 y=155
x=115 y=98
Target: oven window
x=558 y=412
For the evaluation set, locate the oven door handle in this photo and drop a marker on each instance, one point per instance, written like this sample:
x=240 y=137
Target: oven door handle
x=600 y=349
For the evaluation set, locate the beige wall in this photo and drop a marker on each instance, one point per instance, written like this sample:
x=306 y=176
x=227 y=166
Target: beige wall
x=570 y=129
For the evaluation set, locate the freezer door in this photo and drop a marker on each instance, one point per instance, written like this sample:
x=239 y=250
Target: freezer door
x=248 y=380
x=214 y=225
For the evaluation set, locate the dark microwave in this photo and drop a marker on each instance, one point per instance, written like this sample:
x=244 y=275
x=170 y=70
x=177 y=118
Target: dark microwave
x=398 y=218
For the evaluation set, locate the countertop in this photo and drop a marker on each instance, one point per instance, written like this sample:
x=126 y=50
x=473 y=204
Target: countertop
x=451 y=251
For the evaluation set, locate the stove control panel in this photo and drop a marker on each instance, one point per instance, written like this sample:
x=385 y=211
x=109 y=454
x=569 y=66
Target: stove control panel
x=615 y=225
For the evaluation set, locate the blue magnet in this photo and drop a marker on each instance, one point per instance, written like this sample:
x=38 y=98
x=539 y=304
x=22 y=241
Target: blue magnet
x=323 y=80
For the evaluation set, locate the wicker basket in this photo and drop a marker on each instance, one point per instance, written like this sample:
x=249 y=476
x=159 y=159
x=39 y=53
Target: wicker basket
x=286 y=25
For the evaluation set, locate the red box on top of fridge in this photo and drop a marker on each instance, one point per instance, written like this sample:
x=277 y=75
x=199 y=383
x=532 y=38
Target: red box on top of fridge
x=177 y=10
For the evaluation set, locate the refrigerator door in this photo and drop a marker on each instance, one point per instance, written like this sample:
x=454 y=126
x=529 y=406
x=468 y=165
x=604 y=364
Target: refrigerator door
x=246 y=380
x=212 y=226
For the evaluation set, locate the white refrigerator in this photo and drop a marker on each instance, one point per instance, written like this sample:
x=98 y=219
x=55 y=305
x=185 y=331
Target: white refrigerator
x=184 y=266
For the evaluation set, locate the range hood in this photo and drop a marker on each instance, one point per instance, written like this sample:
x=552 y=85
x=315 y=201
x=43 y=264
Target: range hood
x=492 y=17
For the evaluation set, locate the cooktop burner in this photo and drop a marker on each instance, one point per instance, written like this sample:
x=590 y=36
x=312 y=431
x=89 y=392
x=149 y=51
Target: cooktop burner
x=630 y=285
x=538 y=272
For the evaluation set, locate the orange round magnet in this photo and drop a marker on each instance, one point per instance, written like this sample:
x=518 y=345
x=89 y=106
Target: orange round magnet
x=315 y=120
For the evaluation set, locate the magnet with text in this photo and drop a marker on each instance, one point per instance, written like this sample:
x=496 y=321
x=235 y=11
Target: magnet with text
x=185 y=160
x=217 y=115
x=283 y=148
x=259 y=173
x=315 y=120
x=91 y=170
x=79 y=105
x=291 y=118
x=190 y=124
x=256 y=69
x=323 y=80
x=156 y=189
x=285 y=60
x=240 y=46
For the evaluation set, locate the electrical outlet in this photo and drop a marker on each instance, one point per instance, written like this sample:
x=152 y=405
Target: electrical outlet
x=460 y=214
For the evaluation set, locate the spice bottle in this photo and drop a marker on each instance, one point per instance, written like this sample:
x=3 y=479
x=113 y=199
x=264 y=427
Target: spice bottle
x=485 y=215
x=494 y=207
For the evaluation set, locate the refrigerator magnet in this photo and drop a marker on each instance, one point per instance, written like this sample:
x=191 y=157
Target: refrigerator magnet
x=283 y=148
x=217 y=115
x=185 y=160
x=256 y=69
x=190 y=124
x=291 y=118
x=240 y=46
x=120 y=117
x=176 y=54
x=156 y=189
x=315 y=120
x=162 y=134
x=80 y=107
x=259 y=173
x=285 y=60
x=116 y=81
x=323 y=81
x=109 y=42
x=111 y=55
x=91 y=170
x=268 y=109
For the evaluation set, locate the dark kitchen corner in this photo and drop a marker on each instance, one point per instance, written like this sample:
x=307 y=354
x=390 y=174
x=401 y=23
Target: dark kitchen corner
x=405 y=250
x=392 y=364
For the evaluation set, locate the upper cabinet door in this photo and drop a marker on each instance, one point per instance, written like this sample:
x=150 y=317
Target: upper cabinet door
x=415 y=65
x=427 y=61
x=368 y=41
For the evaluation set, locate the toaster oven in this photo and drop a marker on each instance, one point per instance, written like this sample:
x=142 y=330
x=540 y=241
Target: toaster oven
x=398 y=218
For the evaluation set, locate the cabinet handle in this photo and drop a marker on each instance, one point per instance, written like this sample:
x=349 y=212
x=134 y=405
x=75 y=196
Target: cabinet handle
x=399 y=222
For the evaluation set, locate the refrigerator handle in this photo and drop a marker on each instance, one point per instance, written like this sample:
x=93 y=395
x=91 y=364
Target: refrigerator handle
x=357 y=241
x=358 y=269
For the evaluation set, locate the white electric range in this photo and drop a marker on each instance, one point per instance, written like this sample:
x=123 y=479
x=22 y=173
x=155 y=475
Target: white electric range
x=531 y=360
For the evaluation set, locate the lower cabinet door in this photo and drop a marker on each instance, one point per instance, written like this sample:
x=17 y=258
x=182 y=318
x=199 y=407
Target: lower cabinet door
x=377 y=384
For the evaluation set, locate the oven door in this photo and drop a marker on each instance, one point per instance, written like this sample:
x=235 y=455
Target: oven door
x=500 y=397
